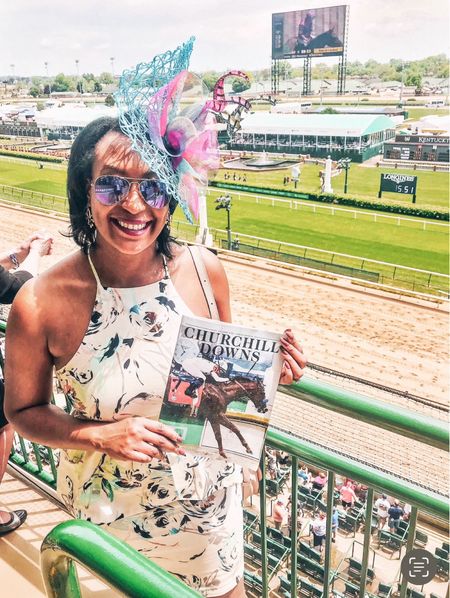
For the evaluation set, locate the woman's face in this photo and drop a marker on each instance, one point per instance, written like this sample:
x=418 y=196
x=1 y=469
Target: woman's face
x=130 y=226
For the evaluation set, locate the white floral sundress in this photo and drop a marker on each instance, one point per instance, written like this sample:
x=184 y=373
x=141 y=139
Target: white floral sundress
x=121 y=367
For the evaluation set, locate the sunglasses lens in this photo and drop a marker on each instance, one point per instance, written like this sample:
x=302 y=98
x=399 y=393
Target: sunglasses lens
x=154 y=193
x=111 y=189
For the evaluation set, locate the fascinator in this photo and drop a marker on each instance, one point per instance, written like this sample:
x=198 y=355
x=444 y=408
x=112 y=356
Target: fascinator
x=163 y=111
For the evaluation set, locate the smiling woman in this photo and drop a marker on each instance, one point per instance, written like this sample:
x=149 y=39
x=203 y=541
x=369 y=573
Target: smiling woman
x=107 y=318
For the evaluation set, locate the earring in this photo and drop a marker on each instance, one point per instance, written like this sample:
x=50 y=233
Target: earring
x=169 y=223
x=89 y=219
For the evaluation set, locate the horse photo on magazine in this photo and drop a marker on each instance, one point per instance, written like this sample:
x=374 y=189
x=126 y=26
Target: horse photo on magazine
x=221 y=388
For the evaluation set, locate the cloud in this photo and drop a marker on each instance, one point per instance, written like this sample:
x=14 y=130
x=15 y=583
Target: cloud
x=227 y=35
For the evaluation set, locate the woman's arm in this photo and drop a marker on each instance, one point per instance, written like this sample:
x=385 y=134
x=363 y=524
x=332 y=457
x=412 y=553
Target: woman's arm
x=28 y=387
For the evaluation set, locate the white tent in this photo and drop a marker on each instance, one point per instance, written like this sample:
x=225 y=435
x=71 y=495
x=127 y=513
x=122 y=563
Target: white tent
x=71 y=115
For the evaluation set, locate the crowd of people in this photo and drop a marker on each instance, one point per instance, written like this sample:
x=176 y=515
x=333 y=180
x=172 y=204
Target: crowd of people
x=348 y=496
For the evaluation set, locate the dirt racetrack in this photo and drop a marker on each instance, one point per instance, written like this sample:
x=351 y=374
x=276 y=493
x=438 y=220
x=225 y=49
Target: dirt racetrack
x=398 y=344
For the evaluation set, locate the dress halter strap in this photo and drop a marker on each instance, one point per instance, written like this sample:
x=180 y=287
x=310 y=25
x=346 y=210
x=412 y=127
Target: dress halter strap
x=94 y=271
x=96 y=276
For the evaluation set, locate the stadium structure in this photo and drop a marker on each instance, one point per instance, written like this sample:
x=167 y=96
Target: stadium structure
x=356 y=136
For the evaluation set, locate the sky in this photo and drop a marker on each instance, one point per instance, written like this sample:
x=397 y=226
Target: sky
x=229 y=34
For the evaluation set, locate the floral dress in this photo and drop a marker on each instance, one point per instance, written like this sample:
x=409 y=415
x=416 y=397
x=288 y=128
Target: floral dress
x=121 y=368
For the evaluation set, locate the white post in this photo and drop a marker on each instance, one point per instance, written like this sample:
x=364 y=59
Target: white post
x=204 y=237
x=327 y=188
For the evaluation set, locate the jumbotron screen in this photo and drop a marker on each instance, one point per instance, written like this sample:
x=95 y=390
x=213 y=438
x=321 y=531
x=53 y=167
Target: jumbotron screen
x=312 y=32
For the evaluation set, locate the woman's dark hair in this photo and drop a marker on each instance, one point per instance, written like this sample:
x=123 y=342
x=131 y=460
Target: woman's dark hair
x=79 y=175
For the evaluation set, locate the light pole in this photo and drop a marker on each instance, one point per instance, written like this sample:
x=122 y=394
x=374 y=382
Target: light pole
x=345 y=164
x=49 y=82
x=400 y=100
x=224 y=203
x=112 y=65
x=13 y=66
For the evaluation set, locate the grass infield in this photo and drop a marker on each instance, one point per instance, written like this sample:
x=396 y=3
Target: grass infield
x=405 y=244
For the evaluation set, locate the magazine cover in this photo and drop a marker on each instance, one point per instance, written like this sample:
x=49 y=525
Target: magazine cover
x=221 y=389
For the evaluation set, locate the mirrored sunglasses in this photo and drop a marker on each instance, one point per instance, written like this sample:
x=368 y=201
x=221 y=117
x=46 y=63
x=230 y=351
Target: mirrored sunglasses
x=110 y=189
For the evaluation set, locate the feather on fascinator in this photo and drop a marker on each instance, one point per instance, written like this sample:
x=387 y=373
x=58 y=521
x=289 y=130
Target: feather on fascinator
x=172 y=131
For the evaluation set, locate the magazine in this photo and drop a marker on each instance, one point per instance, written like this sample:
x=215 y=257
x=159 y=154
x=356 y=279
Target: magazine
x=221 y=389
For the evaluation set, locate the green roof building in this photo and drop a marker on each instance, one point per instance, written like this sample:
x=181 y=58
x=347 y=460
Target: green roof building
x=356 y=136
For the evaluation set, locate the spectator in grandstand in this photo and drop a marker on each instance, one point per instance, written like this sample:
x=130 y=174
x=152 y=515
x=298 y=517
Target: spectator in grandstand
x=16 y=267
x=382 y=505
x=319 y=529
x=279 y=513
x=304 y=477
x=334 y=523
x=406 y=512
x=348 y=495
x=395 y=513
x=283 y=459
x=319 y=481
x=300 y=513
x=272 y=466
x=107 y=317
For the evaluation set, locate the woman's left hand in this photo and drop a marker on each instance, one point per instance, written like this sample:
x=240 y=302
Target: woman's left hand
x=294 y=361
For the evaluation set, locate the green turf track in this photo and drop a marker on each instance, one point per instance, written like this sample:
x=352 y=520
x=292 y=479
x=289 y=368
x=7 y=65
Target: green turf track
x=363 y=183
x=384 y=240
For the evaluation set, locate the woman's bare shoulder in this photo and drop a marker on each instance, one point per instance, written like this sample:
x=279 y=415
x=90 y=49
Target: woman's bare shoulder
x=62 y=284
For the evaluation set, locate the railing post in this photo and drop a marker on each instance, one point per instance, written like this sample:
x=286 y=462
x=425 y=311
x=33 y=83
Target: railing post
x=262 y=527
x=366 y=546
x=409 y=547
x=330 y=500
x=294 y=534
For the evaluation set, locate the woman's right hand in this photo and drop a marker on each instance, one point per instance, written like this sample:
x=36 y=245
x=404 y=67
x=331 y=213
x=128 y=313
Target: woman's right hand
x=136 y=439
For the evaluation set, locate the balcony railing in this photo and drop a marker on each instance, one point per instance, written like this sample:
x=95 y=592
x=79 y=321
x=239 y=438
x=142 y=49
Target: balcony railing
x=271 y=550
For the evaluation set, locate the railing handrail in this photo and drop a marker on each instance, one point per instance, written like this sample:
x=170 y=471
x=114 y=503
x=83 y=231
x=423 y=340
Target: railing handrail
x=381 y=414
x=115 y=562
x=307 y=452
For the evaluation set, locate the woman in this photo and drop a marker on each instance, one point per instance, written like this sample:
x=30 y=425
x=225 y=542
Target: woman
x=107 y=318
x=24 y=261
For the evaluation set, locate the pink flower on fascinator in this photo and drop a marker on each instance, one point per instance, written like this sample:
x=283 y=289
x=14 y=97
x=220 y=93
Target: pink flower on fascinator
x=187 y=134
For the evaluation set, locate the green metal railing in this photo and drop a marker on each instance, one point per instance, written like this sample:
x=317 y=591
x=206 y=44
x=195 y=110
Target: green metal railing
x=378 y=413
x=114 y=562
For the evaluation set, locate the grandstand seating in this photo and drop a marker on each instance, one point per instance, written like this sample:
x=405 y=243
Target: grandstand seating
x=275 y=549
x=421 y=539
x=390 y=542
x=384 y=590
x=285 y=585
x=442 y=567
x=441 y=553
x=253 y=583
x=310 y=567
x=309 y=552
x=355 y=568
x=309 y=590
x=253 y=554
x=348 y=524
x=351 y=591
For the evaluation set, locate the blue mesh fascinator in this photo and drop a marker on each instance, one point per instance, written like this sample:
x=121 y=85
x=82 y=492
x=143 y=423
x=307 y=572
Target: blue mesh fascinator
x=175 y=138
